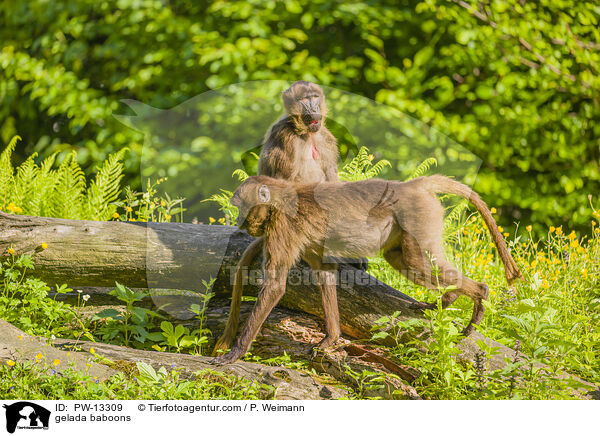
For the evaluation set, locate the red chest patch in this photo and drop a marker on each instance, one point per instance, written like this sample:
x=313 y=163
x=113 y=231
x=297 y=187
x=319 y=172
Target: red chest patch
x=315 y=152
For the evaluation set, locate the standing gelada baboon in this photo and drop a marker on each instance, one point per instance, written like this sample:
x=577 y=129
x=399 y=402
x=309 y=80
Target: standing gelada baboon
x=404 y=220
x=299 y=148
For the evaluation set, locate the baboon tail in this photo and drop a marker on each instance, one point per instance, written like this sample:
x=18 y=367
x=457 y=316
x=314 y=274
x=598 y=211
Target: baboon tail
x=226 y=340
x=445 y=185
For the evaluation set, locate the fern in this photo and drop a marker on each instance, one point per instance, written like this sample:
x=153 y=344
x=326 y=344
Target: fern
x=42 y=190
x=105 y=188
x=362 y=167
x=43 y=184
x=7 y=179
x=25 y=180
x=453 y=222
x=241 y=174
x=423 y=168
x=67 y=199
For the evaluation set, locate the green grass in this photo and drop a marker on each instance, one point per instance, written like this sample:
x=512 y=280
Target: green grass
x=141 y=382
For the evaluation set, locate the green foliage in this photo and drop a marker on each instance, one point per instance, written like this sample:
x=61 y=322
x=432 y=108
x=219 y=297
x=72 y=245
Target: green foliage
x=24 y=301
x=132 y=324
x=224 y=200
x=62 y=193
x=423 y=168
x=361 y=167
x=514 y=82
x=35 y=380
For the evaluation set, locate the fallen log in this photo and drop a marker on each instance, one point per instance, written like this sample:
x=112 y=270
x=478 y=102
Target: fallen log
x=180 y=256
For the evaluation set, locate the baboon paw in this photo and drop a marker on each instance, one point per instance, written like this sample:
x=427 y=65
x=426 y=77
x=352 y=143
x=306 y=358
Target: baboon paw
x=468 y=330
x=421 y=306
x=224 y=359
x=323 y=346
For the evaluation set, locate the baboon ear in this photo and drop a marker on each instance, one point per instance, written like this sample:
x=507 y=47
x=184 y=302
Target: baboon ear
x=264 y=194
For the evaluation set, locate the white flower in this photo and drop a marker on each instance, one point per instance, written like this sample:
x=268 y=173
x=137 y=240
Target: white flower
x=79 y=290
x=86 y=297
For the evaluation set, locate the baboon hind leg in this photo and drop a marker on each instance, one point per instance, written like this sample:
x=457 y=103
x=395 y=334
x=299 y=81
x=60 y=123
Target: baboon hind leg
x=327 y=284
x=415 y=264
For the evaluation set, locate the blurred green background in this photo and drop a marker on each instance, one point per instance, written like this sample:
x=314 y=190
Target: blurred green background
x=513 y=82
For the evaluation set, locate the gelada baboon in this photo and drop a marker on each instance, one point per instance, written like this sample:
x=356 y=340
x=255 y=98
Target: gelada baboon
x=402 y=219
x=297 y=147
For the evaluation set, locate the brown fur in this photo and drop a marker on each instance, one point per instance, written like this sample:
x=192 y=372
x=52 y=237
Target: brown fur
x=288 y=154
x=403 y=219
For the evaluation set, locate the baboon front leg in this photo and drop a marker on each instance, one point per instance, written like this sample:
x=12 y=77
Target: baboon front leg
x=269 y=296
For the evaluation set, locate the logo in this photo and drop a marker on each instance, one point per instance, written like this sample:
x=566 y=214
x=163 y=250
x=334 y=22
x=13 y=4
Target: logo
x=26 y=415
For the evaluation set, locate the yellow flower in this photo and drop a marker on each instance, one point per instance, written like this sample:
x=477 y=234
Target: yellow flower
x=559 y=231
x=11 y=250
x=574 y=243
x=534 y=263
x=116 y=215
x=162 y=203
x=92 y=350
x=596 y=230
x=39 y=356
x=167 y=217
x=552 y=229
x=11 y=207
x=529 y=228
x=572 y=235
x=222 y=220
x=493 y=210
x=506 y=234
x=371 y=157
x=545 y=284
x=18 y=209
x=20 y=337
x=56 y=362
x=44 y=245
x=129 y=209
x=10 y=362
x=500 y=229
x=211 y=220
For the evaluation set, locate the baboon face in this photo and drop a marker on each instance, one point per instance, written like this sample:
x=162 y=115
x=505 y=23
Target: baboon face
x=304 y=102
x=253 y=202
x=258 y=198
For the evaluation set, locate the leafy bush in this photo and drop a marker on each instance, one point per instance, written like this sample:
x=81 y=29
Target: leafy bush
x=514 y=82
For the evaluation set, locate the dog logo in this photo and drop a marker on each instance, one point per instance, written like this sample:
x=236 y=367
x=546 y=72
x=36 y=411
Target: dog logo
x=26 y=415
